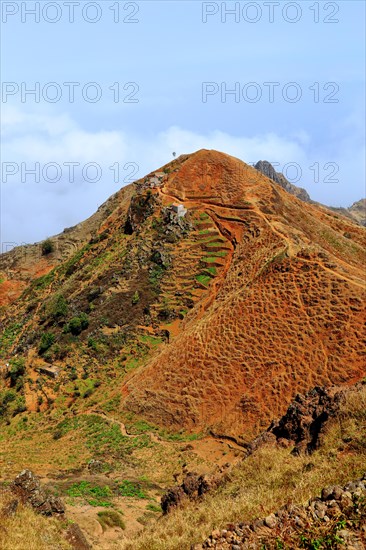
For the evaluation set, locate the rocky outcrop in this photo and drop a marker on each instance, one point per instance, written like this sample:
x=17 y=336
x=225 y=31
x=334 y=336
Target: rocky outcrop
x=358 y=211
x=175 y=227
x=302 y=426
x=141 y=207
x=193 y=486
x=75 y=537
x=338 y=516
x=267 y=169
x=27 y=488
x=172 y=498
x=10 y=509
x=305 y=419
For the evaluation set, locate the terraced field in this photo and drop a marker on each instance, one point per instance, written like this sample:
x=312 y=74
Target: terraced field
x=197 y=262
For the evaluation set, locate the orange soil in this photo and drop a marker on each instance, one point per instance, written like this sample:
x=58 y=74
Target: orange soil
x=287 y=314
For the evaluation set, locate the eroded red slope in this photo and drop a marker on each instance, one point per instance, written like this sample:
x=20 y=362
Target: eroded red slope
x=288 y=314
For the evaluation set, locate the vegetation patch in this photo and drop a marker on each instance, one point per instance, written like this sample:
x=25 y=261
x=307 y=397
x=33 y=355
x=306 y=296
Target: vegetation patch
x=82 y=388
x=219 y=253
x=101 y=437
x=47 y=247
x=111 y=518
x=129 y=489
x=95 y=495
x=8 y=337
x=77 y=324
x=11 y=403
x=203 y=279
x=69 y=267
x=153 y=341
x=57 y=307
x=47 y=339
x=44 y=281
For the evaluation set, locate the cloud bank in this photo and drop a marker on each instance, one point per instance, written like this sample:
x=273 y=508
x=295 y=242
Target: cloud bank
x=39 y=203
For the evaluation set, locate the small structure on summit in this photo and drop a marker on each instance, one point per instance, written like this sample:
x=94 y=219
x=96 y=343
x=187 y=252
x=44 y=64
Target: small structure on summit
x=153 y=181
x=179 y=210
x=156 y=180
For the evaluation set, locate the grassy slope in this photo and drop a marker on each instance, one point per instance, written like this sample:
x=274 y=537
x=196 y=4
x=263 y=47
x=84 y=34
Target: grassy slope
x=109 y=353
x=268 y=479
x=26 y=529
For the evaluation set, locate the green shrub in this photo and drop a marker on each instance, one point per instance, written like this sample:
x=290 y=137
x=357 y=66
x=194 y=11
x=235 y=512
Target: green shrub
x=93 y=344
x=6 y=398
x=11 y=403
x=47 y=340
x=16 y=371
x=57 y=307
x=136 y=298
x=47 y=247
x=77 y=324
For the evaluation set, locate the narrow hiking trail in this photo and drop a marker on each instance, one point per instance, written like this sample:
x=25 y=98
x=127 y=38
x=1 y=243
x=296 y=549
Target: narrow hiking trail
x=156 y=438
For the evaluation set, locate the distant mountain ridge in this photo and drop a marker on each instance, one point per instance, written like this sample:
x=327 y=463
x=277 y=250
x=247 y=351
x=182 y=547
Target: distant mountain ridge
x=268 y=170
x=356 y=212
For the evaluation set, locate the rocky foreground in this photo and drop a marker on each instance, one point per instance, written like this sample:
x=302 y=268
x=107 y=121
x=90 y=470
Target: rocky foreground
x=336 y=519
x=27 y=490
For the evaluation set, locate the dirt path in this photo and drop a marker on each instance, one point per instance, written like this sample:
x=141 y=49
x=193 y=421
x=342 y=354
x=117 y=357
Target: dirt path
x=221 y=439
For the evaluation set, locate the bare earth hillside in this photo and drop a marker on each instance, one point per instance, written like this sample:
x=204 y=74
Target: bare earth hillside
x=250 y=297
x=160 y=337
x=287 y=312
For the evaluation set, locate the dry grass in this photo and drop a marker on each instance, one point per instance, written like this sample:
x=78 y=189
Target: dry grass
x=29 y=530
x=261 y=484
x=265 y=481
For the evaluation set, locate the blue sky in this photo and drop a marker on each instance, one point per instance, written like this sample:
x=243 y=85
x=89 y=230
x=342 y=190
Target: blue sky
x=168 y=54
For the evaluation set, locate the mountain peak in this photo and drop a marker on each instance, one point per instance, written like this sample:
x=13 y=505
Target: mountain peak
x=218 y=268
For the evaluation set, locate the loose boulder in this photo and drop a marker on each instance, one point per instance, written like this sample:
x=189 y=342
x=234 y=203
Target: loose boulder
x=26 y=486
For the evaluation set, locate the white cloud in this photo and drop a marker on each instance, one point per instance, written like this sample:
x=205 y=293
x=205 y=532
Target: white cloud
x=14 y=121
x=31 y=211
